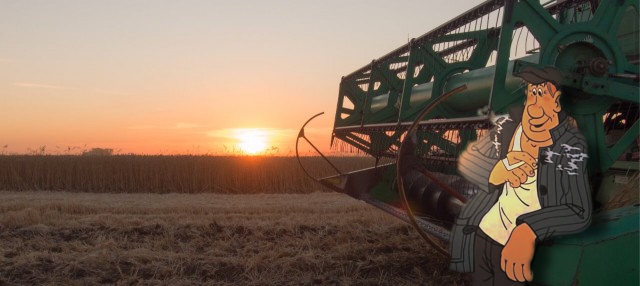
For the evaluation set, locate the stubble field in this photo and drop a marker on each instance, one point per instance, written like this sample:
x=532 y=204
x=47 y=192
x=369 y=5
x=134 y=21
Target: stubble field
x=70 y=238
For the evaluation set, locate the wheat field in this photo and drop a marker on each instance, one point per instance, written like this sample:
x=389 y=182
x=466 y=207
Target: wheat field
x=168 y=174
x=65 y=238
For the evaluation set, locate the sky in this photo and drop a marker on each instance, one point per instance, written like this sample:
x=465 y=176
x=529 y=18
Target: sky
x=189 y=77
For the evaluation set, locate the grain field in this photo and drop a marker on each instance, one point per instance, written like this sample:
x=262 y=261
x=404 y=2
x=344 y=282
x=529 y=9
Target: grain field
x=169 y=174
x=63 y=238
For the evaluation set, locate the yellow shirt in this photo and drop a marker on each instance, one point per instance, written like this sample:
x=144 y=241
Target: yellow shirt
x=500 y=221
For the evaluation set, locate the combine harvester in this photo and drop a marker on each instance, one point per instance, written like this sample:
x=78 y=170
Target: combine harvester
x=420 y=105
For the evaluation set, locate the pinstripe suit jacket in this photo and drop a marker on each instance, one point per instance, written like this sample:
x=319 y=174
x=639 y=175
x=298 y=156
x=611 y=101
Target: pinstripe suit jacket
x=563 y=187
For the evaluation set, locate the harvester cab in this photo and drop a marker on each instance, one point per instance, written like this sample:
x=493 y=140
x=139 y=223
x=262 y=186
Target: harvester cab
x=422 y=104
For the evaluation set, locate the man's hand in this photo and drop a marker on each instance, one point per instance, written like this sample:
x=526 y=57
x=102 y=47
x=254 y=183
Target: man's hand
x=518 y=253
x=517 y=168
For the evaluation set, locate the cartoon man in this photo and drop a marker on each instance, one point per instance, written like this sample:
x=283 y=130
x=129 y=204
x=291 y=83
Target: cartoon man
x=531 y=168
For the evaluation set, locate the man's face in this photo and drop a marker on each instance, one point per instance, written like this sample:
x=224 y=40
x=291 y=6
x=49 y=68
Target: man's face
x=541 y=111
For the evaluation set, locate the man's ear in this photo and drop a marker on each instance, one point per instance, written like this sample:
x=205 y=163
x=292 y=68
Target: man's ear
x=556 y=96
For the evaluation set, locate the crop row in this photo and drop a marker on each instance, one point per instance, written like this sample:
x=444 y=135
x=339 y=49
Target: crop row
x=168 y=174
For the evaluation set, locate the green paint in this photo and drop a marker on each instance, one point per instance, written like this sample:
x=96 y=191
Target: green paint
x=384 y=190
x=607 y=253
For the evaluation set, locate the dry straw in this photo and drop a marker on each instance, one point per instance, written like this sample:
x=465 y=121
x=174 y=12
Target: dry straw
x=62 y=238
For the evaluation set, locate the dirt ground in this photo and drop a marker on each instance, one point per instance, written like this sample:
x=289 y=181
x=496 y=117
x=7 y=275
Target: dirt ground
x=61 y=238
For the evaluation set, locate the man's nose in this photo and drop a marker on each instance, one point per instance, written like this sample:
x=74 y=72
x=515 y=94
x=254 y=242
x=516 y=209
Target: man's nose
x=535 y=110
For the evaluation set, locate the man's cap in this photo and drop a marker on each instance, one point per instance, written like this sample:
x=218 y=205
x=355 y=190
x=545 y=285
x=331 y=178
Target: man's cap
x=536 y=75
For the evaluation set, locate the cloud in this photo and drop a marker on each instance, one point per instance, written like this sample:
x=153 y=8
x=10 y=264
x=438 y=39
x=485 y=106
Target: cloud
x=232 y=133
x=221 y=133
x=179 y=125
x=183 y=125
x=38 y=85
x=110 y=92
x=143 y=127
x=51 y=86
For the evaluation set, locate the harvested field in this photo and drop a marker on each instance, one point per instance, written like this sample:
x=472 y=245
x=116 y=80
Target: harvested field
x=64 y=238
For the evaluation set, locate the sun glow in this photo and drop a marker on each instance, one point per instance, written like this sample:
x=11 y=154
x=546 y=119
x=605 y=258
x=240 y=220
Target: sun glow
x=252 y=140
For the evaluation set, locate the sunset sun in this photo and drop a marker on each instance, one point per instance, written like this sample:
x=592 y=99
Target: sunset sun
x=252 y=141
